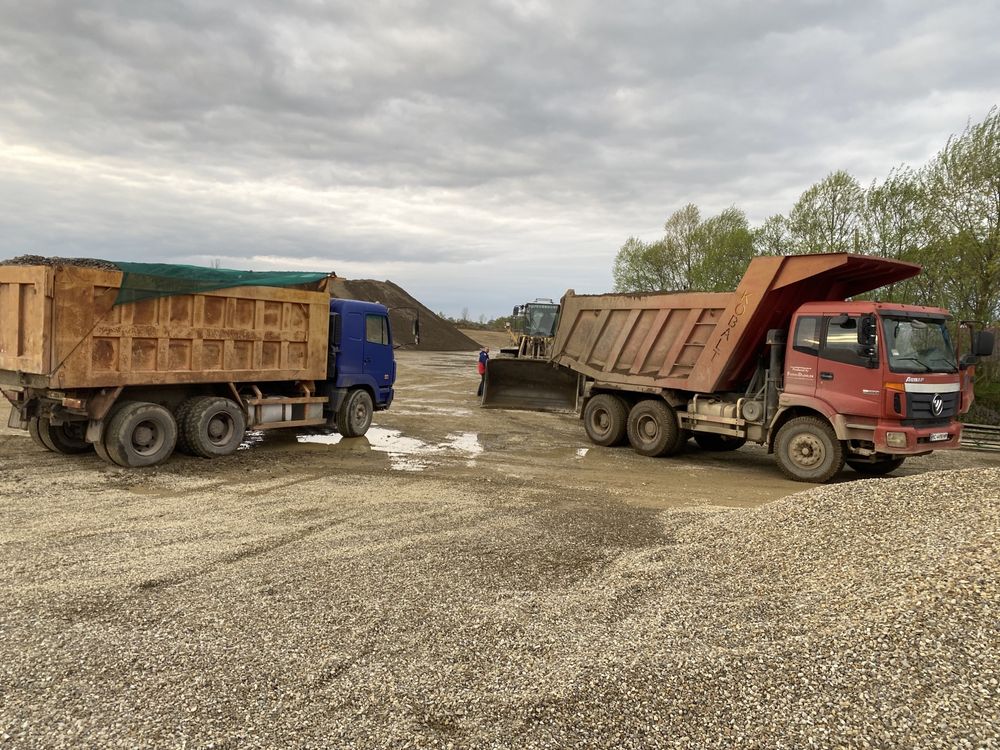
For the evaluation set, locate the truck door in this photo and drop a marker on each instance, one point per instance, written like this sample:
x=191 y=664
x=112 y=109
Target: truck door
x=844 y=379
x=349 y=359
x=802 y=356
x=379 y=361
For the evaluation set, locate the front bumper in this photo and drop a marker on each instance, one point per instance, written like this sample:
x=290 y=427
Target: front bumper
x=888 y=438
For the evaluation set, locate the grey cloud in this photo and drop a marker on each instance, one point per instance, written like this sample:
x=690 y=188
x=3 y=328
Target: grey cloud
x=454 y=133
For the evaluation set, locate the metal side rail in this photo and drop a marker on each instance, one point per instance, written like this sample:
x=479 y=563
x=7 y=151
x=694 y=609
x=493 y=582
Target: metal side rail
x=983 y=437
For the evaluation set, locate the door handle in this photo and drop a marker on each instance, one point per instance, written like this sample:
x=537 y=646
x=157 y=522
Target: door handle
x=826 y=375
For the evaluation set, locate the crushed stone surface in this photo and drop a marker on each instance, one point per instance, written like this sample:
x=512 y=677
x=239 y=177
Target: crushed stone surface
x=268 y=607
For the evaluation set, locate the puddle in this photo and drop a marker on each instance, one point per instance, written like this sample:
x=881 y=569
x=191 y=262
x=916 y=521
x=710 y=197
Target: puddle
x=405 y=453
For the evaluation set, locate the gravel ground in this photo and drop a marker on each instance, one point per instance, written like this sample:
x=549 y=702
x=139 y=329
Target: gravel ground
x=300 y=595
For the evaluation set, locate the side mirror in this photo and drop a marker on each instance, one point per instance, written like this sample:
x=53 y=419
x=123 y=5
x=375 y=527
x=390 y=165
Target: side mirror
x=982 y=344
x=335 y=329
x=868 y=332
x=416 y=331
x=517 y=309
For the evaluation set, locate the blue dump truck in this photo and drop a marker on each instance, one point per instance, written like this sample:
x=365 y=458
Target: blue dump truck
x=136 y=360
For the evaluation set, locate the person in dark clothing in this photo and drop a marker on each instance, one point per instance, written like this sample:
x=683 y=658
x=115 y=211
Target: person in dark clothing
x=484 y=357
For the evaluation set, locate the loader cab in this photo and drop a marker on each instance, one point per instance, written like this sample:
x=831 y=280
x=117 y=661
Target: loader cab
x=535 y=318
x=360 y=348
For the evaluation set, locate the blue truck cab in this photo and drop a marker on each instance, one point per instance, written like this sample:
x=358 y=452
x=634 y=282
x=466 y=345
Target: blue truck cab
x=361 y=366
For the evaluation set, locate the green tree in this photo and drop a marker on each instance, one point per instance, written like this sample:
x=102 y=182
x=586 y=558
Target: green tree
x=960 y=202
x=826 y=216
x=708 y=255
x=724 y=247
x=641 y=266
x=773 y=237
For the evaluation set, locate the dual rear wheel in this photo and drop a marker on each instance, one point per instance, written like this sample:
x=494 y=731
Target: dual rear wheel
x=145 y=434
x=650 y=426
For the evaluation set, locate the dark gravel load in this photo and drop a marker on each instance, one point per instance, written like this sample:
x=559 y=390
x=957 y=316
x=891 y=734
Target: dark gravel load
x=41 y=260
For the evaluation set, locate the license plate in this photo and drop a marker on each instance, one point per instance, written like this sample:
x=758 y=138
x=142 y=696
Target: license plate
x=936 y=436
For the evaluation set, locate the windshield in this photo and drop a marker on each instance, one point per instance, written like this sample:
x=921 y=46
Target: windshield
x=541 y=319
x=918 y=345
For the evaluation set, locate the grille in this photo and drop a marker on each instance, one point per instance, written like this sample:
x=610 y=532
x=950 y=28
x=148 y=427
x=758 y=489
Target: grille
x=919 y=411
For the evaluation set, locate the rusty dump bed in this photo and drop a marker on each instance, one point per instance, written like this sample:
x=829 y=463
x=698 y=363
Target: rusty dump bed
x=60 y=329
x=706 y=342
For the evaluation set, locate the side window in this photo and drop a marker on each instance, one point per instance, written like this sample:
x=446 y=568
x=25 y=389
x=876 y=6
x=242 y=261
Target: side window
x=807 y=336
x=840 y=342
x=375 y=330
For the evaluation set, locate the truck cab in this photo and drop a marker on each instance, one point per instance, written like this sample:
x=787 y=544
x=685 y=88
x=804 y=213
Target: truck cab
x=361 y=366
x=886 y=376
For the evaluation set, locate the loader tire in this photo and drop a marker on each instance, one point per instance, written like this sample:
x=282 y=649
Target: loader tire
x=213 y=426
x=653 y=429
x=807 y=450
x=355 y=414
x=605 y=419
x=140 y=434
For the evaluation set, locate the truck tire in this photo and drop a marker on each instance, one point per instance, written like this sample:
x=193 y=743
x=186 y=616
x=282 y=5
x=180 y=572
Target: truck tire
x=877 y=469
x=180 y=417
x=69 y=437
x=807 y=450
x=140 y=434
x=36 y=435
x=653 y=429
x=355 y=414
x=711 y=441
x=605 y=419
x=213 y=426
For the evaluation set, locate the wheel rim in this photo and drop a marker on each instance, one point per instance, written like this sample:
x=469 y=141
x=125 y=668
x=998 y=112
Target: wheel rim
x=220 y=429
x=360 y=413
x=647 y=428
x=807 y=451
x=601 y=421
x=147 y=438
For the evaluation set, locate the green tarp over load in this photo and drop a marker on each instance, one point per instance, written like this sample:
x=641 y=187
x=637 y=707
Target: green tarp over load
x=146 y=280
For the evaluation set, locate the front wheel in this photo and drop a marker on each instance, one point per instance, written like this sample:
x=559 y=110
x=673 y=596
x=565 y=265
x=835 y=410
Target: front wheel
x=653 y=429
x=355 y=414
x=807 y=450
x=605 y=419
x=877 y=469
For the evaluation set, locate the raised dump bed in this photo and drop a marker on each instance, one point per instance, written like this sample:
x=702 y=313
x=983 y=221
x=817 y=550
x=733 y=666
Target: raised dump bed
x=705 y=342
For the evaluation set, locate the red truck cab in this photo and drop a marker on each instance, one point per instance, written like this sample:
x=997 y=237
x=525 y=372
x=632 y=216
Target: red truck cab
x=886 y=376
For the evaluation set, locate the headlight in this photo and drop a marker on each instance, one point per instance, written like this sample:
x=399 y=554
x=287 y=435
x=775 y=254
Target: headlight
x=895 y=439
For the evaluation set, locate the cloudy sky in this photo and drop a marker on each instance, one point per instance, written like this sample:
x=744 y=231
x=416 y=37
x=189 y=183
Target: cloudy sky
x=480 y=153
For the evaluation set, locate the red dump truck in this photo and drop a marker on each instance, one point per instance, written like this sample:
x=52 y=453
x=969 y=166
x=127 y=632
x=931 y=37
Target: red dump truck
x=785 y=361
x=136 y=360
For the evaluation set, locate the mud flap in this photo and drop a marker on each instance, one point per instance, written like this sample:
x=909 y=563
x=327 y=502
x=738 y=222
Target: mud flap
x=530 y=385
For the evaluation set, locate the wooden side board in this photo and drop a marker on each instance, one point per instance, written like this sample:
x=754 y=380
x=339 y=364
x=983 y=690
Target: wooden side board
x=239 y=334
x=25 y=318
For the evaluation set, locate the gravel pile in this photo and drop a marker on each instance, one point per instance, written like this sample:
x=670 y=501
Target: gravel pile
x=40 y=260
x=863 y=614
x=436 y=333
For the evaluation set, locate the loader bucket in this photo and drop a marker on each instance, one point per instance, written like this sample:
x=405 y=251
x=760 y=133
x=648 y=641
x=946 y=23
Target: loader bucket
x=531 y=385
